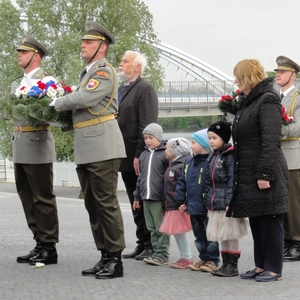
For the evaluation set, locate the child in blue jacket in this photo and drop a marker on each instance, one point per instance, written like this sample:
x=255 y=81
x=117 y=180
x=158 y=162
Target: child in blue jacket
x=188 y=196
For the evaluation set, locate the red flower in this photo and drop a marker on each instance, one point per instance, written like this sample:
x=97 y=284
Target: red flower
x=54 y=86
x=67 y=88
x=41 y=85
x=286 y=117
x=226 y=97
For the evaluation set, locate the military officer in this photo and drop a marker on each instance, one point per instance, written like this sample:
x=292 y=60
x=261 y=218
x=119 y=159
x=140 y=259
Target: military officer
x=286 y=73
x=33 y=156
x=98 y=148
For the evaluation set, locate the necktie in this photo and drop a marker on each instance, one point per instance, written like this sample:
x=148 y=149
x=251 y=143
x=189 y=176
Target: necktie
x=281 y=96
x=122 y=92
x=82 y=75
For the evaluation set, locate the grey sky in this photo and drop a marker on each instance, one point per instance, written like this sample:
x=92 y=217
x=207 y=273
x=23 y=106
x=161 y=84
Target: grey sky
x=223 y=32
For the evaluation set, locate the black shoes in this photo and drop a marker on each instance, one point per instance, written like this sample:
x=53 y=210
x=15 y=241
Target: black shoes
x=293 y=253
x=98 y=266
x=113 y=269
x=47 y=255
x=267 y=277
x=134 y=253
x=145 y=254
x=35 y=251
x=250 y=274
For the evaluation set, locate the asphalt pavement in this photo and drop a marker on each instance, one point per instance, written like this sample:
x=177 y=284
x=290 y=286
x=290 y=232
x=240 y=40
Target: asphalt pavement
x=76 y=252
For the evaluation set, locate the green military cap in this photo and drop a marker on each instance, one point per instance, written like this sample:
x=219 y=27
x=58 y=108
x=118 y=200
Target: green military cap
x=95 y=31
x=286 y=64
x=31 y=44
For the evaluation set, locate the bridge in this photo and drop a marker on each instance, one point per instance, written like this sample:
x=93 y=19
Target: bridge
x=192 y=98
x=197 y=96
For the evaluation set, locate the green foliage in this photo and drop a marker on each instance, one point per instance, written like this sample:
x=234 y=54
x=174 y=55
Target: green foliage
x=59 y=25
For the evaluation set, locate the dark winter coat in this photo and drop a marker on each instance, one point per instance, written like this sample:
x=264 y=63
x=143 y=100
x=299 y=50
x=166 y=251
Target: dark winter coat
x=256 y=135
x=219 y=183
x=150 y=183
x=137 y=109
x=190 y=186
x=172 y=174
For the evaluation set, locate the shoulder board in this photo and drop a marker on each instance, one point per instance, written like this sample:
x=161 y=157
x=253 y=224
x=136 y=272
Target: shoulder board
x=16 y=79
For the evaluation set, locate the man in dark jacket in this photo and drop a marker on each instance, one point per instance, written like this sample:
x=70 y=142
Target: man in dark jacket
x=138 y=107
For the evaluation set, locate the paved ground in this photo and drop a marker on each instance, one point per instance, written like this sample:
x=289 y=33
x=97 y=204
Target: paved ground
x=77 y=252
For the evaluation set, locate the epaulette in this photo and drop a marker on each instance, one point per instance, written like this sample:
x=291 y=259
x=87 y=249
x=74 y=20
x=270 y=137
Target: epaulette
x=16 y=79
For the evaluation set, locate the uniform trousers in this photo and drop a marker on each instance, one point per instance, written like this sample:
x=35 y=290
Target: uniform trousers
x=99 y=182
x=291 y=219
x=142 y=232
x=34 y=183
x=267 y=232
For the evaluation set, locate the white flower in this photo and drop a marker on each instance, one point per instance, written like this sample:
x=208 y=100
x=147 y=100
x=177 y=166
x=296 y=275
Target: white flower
x=51 y=92
x=73 y=88
x=60 y=91
x=21 y=91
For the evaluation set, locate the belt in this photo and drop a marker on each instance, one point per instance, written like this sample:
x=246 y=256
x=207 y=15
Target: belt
x=94 y=121
x=32 y=128
x=290 y=138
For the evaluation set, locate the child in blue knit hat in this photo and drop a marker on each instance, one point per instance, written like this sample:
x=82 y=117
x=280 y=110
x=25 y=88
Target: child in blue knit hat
x=188 y=195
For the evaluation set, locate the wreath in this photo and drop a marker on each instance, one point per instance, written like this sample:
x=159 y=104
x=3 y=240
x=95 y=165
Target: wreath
x=32 y=105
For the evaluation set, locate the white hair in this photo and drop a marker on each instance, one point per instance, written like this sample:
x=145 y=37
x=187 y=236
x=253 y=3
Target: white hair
x=140 y=58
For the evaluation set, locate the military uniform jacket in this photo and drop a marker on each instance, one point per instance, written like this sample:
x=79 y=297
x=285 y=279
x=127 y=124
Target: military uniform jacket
x=32 y=147
x=291 y=149
x=103 y=141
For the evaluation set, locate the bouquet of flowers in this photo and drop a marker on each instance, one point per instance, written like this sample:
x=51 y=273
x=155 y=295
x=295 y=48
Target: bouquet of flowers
x=32 y=104
x=228 y=103
x=286 y=118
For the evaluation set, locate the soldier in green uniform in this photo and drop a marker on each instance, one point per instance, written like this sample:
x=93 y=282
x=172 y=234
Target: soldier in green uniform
x=33 y=157
x=98 y=148
x=286 y=73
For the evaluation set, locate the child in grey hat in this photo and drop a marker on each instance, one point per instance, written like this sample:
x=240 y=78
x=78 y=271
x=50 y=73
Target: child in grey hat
x=150 y=188
x=176 y=222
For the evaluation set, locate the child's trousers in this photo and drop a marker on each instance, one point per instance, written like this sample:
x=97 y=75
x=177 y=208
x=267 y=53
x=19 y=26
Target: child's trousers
x=154 y=215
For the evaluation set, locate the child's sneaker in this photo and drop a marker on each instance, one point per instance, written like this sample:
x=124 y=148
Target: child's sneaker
x=146 y=260
x=197 y=265
x=158 y=260
x=209 y=266
x=182 y=263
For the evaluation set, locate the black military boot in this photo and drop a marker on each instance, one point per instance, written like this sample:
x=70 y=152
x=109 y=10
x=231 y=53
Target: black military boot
x=98 y=266
x=231 y=269
x=47 y=256
x=293 y=254
x=286 y=246
x=114 y=267
x=35 y=251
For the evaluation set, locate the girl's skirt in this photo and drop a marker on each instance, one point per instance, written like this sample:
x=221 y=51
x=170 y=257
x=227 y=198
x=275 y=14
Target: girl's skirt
x=221 y=228
x=175 y=222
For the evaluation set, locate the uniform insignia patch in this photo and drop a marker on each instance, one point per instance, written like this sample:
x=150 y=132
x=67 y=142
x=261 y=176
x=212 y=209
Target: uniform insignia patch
x=103 y=73
x=92 y=85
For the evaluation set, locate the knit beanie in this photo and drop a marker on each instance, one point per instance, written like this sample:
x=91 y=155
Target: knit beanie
x=222 y=129
x=155 y=130
x=179 y=146
x=201 y=138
